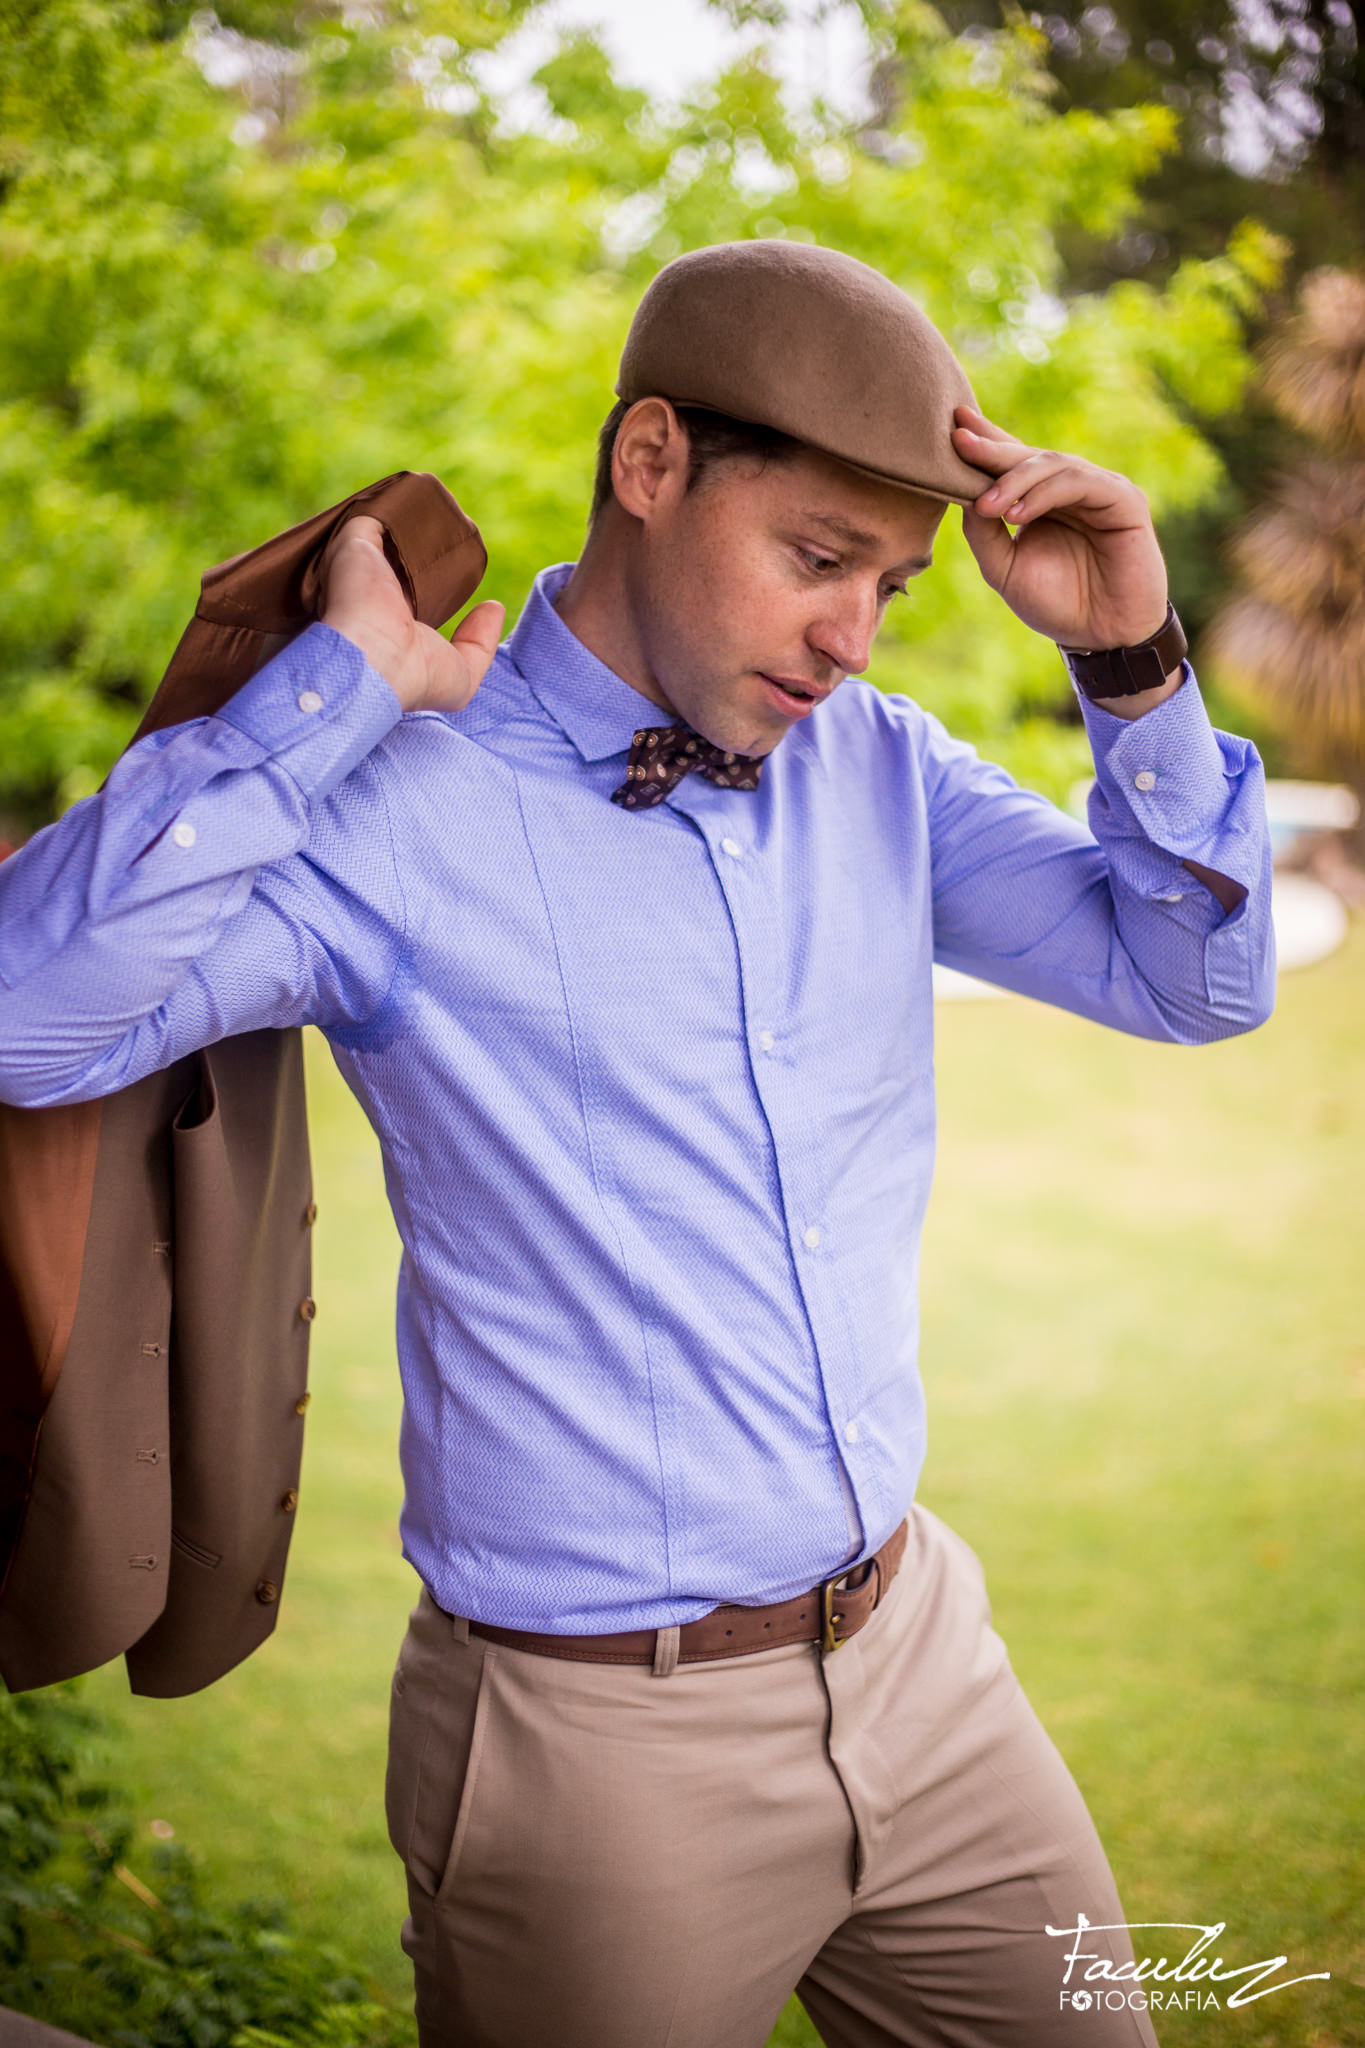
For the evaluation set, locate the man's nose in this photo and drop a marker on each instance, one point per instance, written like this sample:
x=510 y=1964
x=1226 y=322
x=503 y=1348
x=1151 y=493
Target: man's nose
x=845 y=630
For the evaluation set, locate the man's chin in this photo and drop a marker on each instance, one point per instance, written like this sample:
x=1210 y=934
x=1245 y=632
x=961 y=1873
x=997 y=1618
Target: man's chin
x=755 y=744
x=747 y=724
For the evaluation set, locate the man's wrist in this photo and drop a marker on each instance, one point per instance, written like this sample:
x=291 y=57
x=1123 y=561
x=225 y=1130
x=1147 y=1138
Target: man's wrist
x=1142 y=673
x=1142 y=701
x=318 y=708
x=383 y=653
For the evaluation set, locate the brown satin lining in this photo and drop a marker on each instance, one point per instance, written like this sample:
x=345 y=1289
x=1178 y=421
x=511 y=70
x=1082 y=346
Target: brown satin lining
x=251 y=606
x=47 y=1179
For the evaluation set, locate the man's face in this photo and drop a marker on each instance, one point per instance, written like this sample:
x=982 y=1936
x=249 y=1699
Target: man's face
x=764 y=580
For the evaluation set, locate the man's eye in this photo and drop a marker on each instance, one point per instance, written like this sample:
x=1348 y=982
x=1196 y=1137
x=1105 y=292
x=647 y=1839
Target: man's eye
x=818 y=563
x=894 y=590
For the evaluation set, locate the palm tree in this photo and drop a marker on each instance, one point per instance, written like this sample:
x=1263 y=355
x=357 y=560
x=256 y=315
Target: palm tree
x=1293 y=634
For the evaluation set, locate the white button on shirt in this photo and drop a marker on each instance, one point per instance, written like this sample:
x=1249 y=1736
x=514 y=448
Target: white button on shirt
x=309 y=700
x=1144 y=779
x=812 y=1237
x=184 y=833
x=732 y=847
x=851 y=1433
x=766 y=1040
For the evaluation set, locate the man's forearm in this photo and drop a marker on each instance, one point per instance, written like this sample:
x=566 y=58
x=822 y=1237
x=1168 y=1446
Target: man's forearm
x=104 y=914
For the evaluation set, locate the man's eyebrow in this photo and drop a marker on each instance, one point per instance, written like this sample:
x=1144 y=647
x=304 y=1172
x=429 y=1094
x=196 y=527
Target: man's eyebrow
x=845 y=530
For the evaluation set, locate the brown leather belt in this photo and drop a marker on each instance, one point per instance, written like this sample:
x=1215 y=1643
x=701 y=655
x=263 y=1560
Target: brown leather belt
x=829 y=1614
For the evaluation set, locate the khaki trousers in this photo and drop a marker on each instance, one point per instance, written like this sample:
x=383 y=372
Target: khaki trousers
x=605 y=1856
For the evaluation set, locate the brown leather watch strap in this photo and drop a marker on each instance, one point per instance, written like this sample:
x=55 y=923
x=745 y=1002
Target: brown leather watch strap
x=829 y=1614
x=1126 y=671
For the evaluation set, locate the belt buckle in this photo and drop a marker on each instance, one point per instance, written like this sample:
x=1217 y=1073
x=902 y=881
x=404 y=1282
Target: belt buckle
x=830 y=1639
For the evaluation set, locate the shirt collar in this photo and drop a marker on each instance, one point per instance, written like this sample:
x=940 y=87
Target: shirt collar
x=600 y=713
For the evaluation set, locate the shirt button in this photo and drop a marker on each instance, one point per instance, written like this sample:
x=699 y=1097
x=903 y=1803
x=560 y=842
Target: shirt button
x=766 y=1040
x=309 y=700
x=1144 y=779
x=184 y=833
x=811 y=1238
x=732 y=847
x=851 y=1433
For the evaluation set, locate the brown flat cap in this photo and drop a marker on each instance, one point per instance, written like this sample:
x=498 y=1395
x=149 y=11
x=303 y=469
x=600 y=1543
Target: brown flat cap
x=811 y=342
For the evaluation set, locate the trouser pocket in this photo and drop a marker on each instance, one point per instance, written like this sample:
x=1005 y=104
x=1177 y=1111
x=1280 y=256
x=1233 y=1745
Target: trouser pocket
x=434 y=1703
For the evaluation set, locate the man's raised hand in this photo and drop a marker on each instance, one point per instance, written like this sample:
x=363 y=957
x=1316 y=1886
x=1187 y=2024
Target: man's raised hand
x=1084 y=565
x=364 y=601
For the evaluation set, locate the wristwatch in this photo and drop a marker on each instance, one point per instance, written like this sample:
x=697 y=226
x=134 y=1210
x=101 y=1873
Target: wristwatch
x=1124 y=671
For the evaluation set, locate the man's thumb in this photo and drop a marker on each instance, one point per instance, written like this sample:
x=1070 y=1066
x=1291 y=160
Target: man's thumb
x=478 y=634
x=992 y=544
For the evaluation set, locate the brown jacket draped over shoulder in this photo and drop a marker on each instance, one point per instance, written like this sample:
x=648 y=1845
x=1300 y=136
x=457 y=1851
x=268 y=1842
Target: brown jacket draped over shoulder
x=155 y=1254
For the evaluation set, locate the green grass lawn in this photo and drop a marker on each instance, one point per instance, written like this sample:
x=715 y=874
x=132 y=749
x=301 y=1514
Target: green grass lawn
x=1145 y=1354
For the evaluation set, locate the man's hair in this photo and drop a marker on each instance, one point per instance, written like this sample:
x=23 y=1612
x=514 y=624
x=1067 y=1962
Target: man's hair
x=712 y=438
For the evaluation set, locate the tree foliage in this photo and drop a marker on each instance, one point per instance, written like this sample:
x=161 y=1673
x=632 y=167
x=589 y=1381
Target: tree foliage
x=250 y=261
x=1270 y=99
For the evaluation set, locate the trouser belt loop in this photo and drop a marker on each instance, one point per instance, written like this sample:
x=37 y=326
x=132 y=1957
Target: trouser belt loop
x=665 y=1652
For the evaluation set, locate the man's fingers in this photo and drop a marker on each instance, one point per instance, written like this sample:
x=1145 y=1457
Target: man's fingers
x=355 y=571
x=971 y=417
x=1062 y=490
x=972 y=430
x=995 y=457
x=478 y=634
x=1047 y=482
x=990 y=541
x=360 y=527
x=1021 y=475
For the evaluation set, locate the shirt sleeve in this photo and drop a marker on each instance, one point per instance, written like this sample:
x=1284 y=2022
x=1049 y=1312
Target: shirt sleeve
x=235 y=873
x=1109 y=922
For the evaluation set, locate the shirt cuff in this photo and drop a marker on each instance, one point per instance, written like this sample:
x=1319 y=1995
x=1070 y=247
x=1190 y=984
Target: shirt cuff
x=316 y=710
x=1165 y=772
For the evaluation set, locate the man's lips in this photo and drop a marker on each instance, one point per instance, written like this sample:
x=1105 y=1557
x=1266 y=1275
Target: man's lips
x=794 y=695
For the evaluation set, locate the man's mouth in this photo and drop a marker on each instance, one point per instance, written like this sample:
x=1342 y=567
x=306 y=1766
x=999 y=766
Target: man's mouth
x=793 y=697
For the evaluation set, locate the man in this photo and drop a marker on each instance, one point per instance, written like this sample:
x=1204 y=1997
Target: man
x=622 y=935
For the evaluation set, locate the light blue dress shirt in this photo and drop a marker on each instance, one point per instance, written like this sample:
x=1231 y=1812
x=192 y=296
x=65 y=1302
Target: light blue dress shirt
x=655 y=1090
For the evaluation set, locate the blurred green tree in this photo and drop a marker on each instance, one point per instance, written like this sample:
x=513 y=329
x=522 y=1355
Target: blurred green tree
x=250 y=260
x=1270 y=104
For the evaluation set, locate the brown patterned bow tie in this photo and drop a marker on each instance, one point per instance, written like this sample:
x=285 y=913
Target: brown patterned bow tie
x=661 y=755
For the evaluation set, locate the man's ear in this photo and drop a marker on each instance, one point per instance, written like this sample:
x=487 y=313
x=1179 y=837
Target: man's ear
x=650 y=458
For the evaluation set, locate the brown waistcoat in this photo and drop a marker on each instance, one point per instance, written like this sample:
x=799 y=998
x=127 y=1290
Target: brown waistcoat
x=155 y=1255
